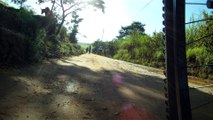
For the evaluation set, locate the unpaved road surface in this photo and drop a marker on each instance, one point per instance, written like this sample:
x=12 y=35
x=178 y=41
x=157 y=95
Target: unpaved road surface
x=83 y=88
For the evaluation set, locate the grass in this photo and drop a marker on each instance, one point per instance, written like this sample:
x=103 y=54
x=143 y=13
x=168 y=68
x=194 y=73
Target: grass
x=199 y=81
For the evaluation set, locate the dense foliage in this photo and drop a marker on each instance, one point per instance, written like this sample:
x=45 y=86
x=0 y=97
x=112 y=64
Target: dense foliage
x=200 y=51
x=128 y=30
x=137 y=48
x=26 y=38
x=148 y=50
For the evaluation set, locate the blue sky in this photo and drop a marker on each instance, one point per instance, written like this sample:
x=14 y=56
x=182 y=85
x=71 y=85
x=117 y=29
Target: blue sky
x=97 y=25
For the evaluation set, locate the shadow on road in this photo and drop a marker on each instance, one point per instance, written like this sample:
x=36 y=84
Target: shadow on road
x=201 y=105
x=52 y=91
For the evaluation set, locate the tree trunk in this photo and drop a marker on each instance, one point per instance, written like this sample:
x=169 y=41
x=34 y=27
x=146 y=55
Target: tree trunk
x=60 y=26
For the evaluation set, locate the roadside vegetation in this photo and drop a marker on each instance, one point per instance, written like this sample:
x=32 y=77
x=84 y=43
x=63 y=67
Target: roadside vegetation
x=134 y=45
x=200 y=51
x=26 y=37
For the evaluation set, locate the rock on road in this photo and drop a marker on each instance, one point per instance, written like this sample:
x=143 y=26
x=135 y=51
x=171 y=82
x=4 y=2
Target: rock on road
x=80 y=88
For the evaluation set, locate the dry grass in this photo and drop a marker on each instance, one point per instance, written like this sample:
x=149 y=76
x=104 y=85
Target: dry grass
x=199 y=81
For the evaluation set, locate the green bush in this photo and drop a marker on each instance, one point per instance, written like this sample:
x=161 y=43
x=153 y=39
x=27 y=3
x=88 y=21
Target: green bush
x=65 y=48
x=29 y=24
x=38 y=46
x=123 y=54
x=25 y=38
x=76 y=49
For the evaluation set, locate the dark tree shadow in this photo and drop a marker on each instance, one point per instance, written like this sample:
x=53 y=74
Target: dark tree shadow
x=95 y=91
x=201 y=105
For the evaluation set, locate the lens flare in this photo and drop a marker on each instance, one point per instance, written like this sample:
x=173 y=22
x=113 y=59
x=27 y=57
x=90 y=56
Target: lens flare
x=117 y=79
x=131 y=112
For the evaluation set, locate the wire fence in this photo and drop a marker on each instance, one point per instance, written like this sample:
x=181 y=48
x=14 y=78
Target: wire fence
x=203 y=37
x=202 y=20
x=208 y=4
x=199 y=39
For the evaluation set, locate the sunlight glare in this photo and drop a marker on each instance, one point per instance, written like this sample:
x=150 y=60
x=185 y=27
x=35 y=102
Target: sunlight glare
x=72 y=87
x=85 y=0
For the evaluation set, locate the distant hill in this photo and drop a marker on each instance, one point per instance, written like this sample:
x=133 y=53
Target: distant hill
x=84 y=45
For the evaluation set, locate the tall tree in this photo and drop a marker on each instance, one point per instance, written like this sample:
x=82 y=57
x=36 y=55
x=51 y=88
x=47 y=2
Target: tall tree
x=20 y=2
x=75 y=20
x=67 y=7
x=128 y=30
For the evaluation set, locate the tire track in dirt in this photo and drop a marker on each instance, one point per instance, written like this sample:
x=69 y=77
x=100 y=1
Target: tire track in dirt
x=80 y=88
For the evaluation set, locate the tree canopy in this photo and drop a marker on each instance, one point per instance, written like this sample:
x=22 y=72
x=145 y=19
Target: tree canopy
x=63 y=8
x=75 y=20
x=128 y=30
x=20 y=2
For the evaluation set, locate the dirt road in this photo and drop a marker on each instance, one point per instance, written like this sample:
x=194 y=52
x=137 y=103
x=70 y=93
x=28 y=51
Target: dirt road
x=87 y=87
